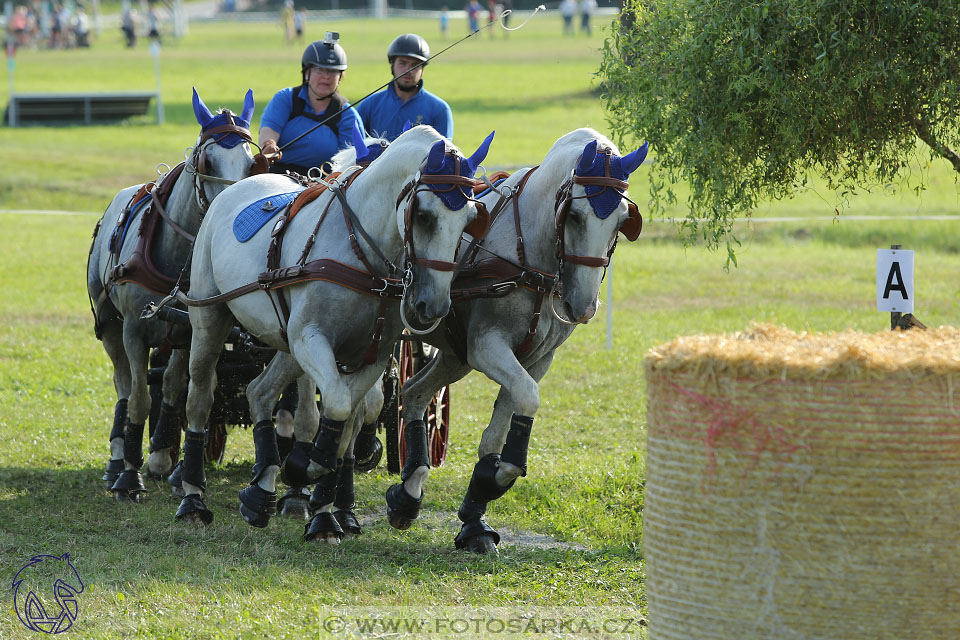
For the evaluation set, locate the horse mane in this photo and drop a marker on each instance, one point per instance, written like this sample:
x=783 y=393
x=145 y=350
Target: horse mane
x=410 y=148
x=347 y=156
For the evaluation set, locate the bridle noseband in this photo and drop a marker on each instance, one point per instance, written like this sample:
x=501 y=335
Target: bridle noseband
x=198 y=158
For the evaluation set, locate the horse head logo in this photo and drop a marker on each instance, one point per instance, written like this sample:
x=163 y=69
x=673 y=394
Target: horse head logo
x=37 y=578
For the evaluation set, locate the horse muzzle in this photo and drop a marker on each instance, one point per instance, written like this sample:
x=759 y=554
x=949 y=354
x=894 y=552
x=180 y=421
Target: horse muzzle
x=422 y=312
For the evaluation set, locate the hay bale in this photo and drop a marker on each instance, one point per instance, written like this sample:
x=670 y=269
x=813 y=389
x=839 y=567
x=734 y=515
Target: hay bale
x=804 y=486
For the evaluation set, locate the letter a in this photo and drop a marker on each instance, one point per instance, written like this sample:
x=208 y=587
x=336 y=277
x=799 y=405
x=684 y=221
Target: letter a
x=898 y=285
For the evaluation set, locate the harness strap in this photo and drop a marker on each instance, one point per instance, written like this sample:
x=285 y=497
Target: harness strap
x=521 y=254
x=155 y=201
x=324 y=269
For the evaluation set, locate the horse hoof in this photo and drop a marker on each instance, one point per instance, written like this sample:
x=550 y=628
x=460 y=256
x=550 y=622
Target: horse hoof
x=192 y=509
x=294 y=504
x=112 y=472
x=478 y=537
x=368 y=460
x=129 y=486
x=293 y=471
x=128 y=496
x=402 y=508
x=348 y=522
x=482 y=544
x=323 y=527
x=175 y=480
x=257 y=506
x=159 y=464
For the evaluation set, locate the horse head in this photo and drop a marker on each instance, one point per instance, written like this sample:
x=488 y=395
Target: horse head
x=221 y=155
x=433 y=211
x=591 y=208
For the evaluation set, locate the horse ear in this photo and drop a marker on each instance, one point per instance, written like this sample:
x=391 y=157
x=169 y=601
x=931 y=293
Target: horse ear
x=248 y=106
x=406 y=127
x=632 y=161
x=587 y=157
x=481 y=153
x=200 y=110
x=358 y=144
x=435 y=158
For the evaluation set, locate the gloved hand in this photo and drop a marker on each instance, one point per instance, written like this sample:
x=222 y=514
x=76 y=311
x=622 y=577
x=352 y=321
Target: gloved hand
x=269 y=153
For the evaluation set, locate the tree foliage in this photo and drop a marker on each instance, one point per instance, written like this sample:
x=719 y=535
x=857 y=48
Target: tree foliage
x=743 y=99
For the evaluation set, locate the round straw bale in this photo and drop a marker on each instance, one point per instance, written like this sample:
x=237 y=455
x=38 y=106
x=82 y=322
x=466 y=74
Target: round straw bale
x=804 y=486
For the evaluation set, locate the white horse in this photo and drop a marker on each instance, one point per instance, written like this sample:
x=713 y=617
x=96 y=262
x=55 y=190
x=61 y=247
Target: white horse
x=339 y=316
x=129 y=267
x=568 y=212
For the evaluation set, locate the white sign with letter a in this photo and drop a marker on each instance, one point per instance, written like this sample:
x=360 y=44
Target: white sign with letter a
x=895 y=280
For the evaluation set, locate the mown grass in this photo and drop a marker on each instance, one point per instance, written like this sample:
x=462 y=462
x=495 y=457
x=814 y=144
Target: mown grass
x=148 y=576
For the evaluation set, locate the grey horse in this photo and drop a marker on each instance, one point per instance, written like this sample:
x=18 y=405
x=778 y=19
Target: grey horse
x=547 y=247
x=129 y=267
x=338 y=322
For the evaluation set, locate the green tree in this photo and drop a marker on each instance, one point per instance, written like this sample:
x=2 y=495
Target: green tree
x=744 y=99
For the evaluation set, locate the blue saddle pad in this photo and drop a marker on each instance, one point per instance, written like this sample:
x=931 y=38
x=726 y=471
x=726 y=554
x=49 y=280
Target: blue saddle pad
x=257 y=214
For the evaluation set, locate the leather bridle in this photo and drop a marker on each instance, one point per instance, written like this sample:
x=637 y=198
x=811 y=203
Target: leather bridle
x=419 y=183
x=197 y=164
x=630 y=228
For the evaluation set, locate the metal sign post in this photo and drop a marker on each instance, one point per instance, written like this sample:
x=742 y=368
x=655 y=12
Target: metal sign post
x=155 y=52
x=895 y=292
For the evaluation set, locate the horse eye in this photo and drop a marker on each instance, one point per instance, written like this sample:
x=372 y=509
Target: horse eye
x=576 y=216
x=425 y=219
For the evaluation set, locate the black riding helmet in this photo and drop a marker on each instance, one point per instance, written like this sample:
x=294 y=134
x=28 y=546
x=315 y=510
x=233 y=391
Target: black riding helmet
x=326 y=54
x=410 y=45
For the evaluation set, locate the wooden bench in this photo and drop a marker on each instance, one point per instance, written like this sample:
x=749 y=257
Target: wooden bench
x=72 y=108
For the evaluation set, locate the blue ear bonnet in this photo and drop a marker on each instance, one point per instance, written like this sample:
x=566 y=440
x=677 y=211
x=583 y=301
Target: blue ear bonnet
x=452 y=196
x=226 y=140
x=372 y=153
x=604 y=200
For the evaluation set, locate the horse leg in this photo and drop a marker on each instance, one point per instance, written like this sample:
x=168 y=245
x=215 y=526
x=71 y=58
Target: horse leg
x=305 y=419
x=503 y=450
x=345 y=500
x=165 y=442
x=211 y=326
x=112 y=337
x=404 y=498
x=258 y=501
x=341 y=394
x=368 y=450
x=285 y=415
x=129 y=484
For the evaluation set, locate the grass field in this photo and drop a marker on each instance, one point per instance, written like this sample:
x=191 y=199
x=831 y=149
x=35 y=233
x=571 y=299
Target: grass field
x=572 y=529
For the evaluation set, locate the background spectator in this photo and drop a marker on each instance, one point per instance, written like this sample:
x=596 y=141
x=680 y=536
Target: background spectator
x=568 y=8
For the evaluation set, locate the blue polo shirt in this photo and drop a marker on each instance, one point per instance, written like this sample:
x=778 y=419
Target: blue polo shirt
x=318 y=146
x=385 y=114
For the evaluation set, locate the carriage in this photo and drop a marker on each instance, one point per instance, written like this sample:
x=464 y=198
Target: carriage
x=502 y=338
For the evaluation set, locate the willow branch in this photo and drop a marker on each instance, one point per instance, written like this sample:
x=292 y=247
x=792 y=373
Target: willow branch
x=922 y=129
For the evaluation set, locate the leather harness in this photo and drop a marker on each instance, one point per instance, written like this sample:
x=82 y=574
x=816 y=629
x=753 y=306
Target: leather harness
x=508 y=275
x=385 y=288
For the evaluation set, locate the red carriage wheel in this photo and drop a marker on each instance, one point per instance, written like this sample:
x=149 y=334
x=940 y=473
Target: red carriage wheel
x=217 y=443
x=413 y=356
